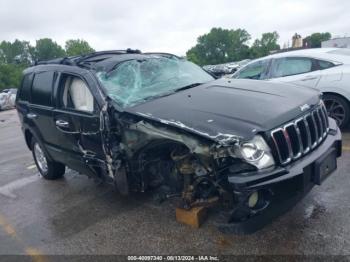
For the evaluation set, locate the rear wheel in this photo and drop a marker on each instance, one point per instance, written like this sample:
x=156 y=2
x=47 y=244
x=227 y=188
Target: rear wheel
x=48 y=169
x=338 y=109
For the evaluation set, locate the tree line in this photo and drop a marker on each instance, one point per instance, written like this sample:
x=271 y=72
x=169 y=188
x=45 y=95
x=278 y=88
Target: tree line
x=216 y=47
x=17 y=55
x=228 y=45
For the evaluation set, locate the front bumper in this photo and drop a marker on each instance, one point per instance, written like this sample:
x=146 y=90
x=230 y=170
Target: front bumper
x=283 y=187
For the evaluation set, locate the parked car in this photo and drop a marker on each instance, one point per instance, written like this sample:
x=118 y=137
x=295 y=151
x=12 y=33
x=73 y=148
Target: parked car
x=148 y=121
x=326 y=69
x=226 y=69
x=7 y=98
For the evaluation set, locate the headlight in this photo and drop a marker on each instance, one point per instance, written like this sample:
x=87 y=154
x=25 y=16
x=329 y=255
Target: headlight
x=255 y=152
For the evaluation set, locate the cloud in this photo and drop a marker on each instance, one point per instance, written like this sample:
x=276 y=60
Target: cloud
x=165 y=25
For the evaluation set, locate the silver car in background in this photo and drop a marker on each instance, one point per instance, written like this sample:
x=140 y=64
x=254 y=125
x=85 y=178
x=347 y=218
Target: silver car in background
x=326 y=69
x=8 y=98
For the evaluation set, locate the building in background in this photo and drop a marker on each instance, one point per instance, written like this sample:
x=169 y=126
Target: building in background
x=297 y=41
x=343 y=42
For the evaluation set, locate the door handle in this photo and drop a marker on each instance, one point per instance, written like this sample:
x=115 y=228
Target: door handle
x=31 y=116
x=62 y=123
x=309 y=78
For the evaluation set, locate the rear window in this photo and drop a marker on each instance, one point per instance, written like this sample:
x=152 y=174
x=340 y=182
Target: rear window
x=24 y=93
x=42 y=88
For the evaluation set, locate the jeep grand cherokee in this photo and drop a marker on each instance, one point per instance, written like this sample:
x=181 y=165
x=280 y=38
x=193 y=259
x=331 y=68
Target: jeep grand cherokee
x=154 y=121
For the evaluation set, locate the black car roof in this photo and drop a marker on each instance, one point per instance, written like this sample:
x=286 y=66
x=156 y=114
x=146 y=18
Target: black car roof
x=102 y=60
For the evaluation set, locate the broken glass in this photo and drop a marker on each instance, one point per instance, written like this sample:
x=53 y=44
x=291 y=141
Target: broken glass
x=135 y=81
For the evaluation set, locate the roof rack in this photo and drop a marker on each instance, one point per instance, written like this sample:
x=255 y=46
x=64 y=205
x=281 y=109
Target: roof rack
x=58 y=61
x=161 y=53
x=109 y=52
x=75 y=60
x=80 y=59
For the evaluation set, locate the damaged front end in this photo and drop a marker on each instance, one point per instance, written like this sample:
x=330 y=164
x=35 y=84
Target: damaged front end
x=145 y=154
x=239 y=176
x=166 y=127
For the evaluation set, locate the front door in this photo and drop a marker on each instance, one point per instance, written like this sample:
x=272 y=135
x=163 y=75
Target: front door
x=77 y=122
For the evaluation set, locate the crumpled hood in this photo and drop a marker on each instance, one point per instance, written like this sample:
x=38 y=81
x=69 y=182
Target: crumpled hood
x=226 y=109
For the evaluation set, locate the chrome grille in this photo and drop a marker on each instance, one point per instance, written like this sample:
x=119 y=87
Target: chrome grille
x=298 y=137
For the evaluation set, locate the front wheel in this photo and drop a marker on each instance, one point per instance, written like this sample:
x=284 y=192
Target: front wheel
x=338 y=109
x=48 y=169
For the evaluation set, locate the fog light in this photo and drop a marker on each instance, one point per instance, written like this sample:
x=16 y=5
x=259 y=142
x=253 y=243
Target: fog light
x=253 y=199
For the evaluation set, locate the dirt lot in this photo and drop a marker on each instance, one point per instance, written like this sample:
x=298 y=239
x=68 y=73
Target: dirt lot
x=75 y=216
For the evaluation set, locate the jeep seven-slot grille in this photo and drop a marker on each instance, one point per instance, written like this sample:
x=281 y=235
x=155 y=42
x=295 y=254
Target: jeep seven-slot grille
x=298 y=137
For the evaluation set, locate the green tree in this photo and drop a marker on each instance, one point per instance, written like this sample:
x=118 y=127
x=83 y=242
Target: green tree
x=263 y=47
x=314 y=40
x=220 y=46
x=10 y=75
x=17 y=52
x=46 y=49
x=78 y=47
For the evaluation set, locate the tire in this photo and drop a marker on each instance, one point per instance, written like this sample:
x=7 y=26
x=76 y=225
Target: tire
x=50 y=170
x=338 y=109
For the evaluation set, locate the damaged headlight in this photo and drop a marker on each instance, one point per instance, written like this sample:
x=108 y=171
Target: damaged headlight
x=255 y=152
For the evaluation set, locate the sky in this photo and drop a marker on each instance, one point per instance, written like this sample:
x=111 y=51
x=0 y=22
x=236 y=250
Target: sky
x=166 y=25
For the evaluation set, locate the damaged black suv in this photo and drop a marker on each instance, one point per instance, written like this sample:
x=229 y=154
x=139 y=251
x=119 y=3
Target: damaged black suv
x=154 y=121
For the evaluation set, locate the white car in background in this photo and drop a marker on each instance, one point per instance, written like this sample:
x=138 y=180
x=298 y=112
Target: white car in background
x=326 y=69
x=8 y=98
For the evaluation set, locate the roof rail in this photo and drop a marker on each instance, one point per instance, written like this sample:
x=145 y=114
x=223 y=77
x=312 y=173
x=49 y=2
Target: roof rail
x=57 y=61
x=161 y=53
x=109 y=52
x=76 y=60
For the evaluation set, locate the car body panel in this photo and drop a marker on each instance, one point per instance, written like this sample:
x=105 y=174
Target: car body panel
x=215 y=109
x=310 y=79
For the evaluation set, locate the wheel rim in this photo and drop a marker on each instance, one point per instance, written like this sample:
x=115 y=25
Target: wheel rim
x=40 y=158
x=335 y=110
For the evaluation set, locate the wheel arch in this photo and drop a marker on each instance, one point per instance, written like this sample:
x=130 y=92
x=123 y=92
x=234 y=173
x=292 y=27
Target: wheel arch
x=28 y=136
x=337 y=94
x=347 y=121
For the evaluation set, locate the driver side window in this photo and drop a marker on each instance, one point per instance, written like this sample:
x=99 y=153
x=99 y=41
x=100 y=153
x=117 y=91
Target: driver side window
x=256 y=70
x=76 y=94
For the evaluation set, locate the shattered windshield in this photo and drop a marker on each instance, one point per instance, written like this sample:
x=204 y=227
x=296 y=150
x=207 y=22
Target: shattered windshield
x=135 y=81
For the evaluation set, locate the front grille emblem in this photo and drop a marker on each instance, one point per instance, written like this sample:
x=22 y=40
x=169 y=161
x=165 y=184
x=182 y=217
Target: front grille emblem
x=304 y=107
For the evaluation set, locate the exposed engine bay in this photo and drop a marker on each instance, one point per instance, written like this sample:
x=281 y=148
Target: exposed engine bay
x=171 y=164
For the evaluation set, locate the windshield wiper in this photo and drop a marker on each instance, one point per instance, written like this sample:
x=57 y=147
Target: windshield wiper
x=156 y=96
x=170 y=92
x=187 y=87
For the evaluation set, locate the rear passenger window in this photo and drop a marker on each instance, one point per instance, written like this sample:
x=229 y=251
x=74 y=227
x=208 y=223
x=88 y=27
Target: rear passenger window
x=24 y=94
x=289 y=66
x=76 y=94
x=42 y=88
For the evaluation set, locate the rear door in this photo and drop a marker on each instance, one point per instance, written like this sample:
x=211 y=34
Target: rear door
x=40 y=107
x=302 y=71
x=77 y=122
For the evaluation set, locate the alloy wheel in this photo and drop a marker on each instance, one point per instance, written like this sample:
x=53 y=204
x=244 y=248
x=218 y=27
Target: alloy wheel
x=40 y=158
x=335 y=110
